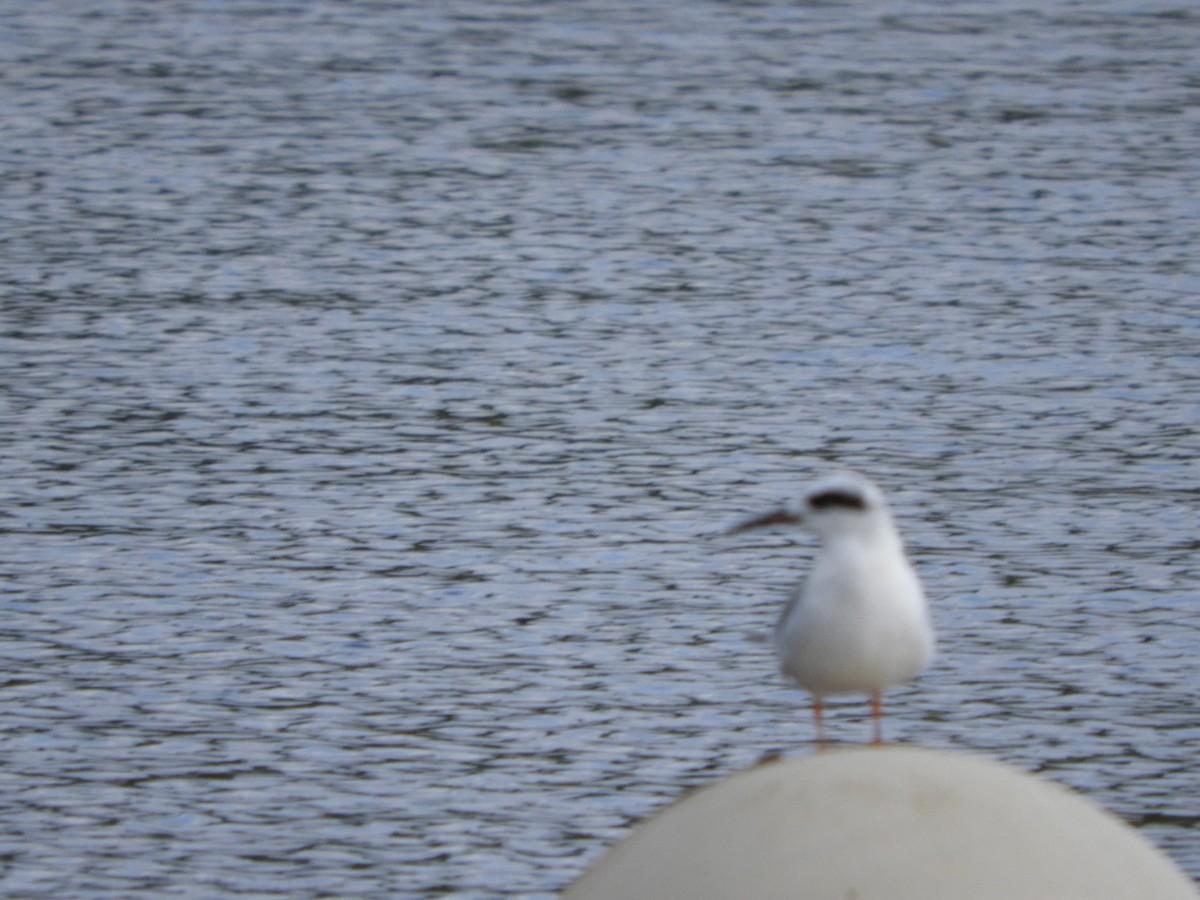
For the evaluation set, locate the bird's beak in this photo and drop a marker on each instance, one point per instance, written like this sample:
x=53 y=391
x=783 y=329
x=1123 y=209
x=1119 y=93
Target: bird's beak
x=781 y=516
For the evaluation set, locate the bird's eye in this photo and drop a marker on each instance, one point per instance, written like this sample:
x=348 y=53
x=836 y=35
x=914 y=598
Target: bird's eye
x=836 y=499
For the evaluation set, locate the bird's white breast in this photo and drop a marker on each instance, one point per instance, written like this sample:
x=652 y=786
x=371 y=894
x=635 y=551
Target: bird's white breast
x=859 y=622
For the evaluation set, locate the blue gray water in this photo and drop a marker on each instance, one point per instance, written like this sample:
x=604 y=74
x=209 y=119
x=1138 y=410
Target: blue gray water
x=376 y=381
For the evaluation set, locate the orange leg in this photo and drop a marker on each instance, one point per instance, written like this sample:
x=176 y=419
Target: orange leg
x=818 y=708
x=877 y=716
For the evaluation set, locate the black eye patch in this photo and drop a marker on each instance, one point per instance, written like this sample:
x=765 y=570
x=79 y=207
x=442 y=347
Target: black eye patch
x=836 y=499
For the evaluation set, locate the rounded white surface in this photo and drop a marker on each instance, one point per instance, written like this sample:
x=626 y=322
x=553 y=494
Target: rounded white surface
x=894 y=823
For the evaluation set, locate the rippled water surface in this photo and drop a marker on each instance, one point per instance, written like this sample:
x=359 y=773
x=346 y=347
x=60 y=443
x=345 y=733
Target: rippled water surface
x=376 y=381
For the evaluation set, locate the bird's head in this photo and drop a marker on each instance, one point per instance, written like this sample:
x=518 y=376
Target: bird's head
x=838 y=505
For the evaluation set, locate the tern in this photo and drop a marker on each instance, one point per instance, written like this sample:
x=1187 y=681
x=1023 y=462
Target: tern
x=859 y=622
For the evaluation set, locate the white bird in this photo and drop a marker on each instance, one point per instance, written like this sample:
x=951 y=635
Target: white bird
x=859 y=622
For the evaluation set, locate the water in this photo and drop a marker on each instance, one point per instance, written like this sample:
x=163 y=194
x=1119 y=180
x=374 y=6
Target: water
x=376 y=381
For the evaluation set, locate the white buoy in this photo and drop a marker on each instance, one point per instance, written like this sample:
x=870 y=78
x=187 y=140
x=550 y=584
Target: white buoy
x=897 y=823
